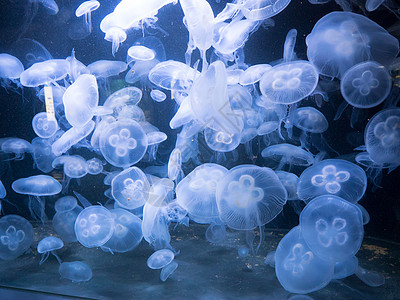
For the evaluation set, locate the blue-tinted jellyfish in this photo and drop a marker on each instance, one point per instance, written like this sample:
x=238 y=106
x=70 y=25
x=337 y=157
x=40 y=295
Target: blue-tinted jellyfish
x=16 y=146
x=382 y=137
x=253 y=74
x=243 y=252
x=106 y=68
x=74 y=166
x=67 y=210
x=270 y=259
x=289 y=82
x=175 y=164
x=94 y=166
x=160 y=259
x=85 y=9
x=65 y=203
x=332 y=227
x=340 y=40
x=124 y=101
x=43 y=125
x=42 y=154
x=94 y=226
x=154 y=48
x=157 y=95
x=141 y=53
x=197 y=191
x=372 y=5
x=216 y=232
x=127 y=233
x=370 y=278
x=30 y=51
x=335 y=177
x=366 y=84
x=289 y=181
x=44 y=73
x=37 y=187
x=298 y=268
x=168 y=270
x=3 y=191
x=287 y=154
x=75 y=271
x=10 y=69
x=16 y=236
x=221 y=141
x=130 y=188
x=345 y=268
x=260 y=10
x=249 y=196
x=123 y=143
x=49 y=245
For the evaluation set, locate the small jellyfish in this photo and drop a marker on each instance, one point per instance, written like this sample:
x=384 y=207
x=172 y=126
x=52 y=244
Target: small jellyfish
x=10 y=70
x=175 y=164
x=44 y=73
x=117 y=36
x=75 y=271
x=16 y=236
x=160 y=259
x=371 y=5
x=16 y=146
x=86 y=9
x=67 y=210
x=243 y=252
x=284 y=154
x=141 y=53
x=74 y=166
x=49 y=245
x=290 y=182
x=216 y=232
x=221 y=141
x=332 y=227
x=157 y=95
x=310 y=120
x=106 y=68
x=3 y=191
x=167 y=271
x=43 y=125
x=94 y=166
x=253 y=74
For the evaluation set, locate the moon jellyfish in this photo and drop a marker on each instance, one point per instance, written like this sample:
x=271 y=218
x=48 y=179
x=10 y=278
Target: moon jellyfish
x=332 y=227
x=249 y=196
x=167 y=271
x=29 y=52
x=298 y=268
x=157 y=95
x=16 y=236
x=333 y=176
x=3 y=191
x=130 y=188
x=175 y=164
x=74 y=166
x=46 y=72
x=345 y=268
x=44 y=126
x=290 y=182
x=127 y=232
x=253 y=74
x=370 y=278
x=366 y=84
x=67 y=210
x=141 y=53
x=94 y=166
x=382 y=137
x=289 y=82
x=116 y=36
x=75 y=271
x=371 y=5
x=216 y=232
x=94 y=226
x=196 y=193
x=284 y=154
x=124 y=101
x=49 y=245
x=16 y=146
x=86 y=9
x=340 y=40
x=80 y=99
x=106 y=68
x=221 y=141
x=260 y=10
x=10 y=69
x=42 y=154
x=310 y=120
x=160 y=259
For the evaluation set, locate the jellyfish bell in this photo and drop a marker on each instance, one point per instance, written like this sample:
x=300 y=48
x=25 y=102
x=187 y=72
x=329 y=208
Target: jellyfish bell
x=10 y=69
x=160 y=259
x=141 y=53
x=49 y=245
x=44 y=73
x=287 y=154
x=86 y=8
x=116 y=36
x=44 y=126
x=75 y=271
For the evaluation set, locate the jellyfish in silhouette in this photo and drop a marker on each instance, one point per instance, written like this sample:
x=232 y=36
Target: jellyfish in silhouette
x=382 y=137
x=75 y=271
x=290 y=82
x=335 y=177
x=287 y=154
x=298 y=268
x=16 y=146
x=85 y=9
x=123 y=143
x=197 y=191
x=160 y=259
x=340 y=40
x=43 y=125
x=16 y=236
x=10 y=70
x=94 y=226
x=67 y=210
x=332 y=227
x=37 y=187
x=49 y=245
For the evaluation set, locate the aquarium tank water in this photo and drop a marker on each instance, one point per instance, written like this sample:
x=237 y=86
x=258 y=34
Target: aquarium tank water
x=199 y=149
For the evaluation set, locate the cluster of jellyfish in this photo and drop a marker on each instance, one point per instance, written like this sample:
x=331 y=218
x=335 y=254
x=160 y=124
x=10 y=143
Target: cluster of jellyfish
x=225 y=102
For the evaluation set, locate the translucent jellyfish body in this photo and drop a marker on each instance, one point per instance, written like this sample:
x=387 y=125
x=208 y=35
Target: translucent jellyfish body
x=221 y=141
x=289 y=181
x=3 y=191
x=160 y=259
x=253 y=74
x=158 y=96
x=16 y=236
x=39 y=185
x=106 y=68
x=298 y=268
x=345 y=268
x=340 y=40
x=123 y=143
x=382 y=137
x=332 y=228
x=44 y=126
x=141 y=53
x=366 y=84
x=127 y=232
x=74 y=166
x=130 y=188
x=289 y=82
x=260 y=10
x=67 y=210
x=16 y=146
x=86 y=9
x=75 y=271
x=249 y=196
x=42 y=154
x=168 y=270
x=333 y=176
x=94 y=226
x=11 y=67
x=310 y=120
x=94 y=166
x=175 y=164
x=288 y=154
x=197 y=191
x=45 y=72
x=49 y=245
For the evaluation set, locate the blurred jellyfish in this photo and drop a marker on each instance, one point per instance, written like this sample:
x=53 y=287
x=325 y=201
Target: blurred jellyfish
x=75 y=271
x=16 y=146
x=253 y=74
x=10 y=70
x=94 y=166
x=167 y=271
x=49 y=245
x=141 y=53
x=42 y=154
x=67 y=210
x=175 y=164
x=74 y=166
x=157 y=95
x=287 y=154
x=290 y=182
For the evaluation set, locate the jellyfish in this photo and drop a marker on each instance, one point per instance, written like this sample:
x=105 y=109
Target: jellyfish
x=290 y=182
x=253 y=74
x=10 y=70
x=45 y=73
x=37 y=187
x=44 y=125
x=243 y=252
x=157 y=95
x=298 y=268
x=287 y=154
x=216 y=232
x=42 y=154
x=94 y=166
x=130 y=188
x=332 y=227
x=290 y=82
x=260 y=10
x=127 y=232
x=340 y=40
x=123 y=143
x=371 y=5
x=167 y=271
x=116 y=36
x=196 y=193
x=175 y=164
x=345 y=268
x=74 y=166
x=86 y=9
x=94 y=226
x=16 y=146
x=29 y=51
x=16 y=236
x=141 y=53
x=49 y=245
x=160 y=259
x=3 y=191
x=75 y=271
x=67 y=210
x=106 y=68
x=221 y=141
